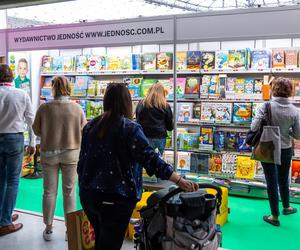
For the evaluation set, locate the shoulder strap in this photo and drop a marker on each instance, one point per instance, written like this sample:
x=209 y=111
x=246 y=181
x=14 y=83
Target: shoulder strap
x=269 y=113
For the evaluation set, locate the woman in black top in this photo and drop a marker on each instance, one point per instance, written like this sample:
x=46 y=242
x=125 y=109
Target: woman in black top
x=155 y=116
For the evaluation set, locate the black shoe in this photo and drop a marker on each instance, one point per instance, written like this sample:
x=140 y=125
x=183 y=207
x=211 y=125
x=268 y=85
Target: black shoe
x=287 y=211
x=275 y=223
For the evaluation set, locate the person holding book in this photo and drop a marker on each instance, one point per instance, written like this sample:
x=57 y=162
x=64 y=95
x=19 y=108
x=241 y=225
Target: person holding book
x=155 y=116
x=287 y=117
x=114 y=148
x=59 y=124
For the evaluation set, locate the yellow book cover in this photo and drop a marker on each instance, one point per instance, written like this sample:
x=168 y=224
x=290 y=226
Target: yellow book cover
x=245 y=167
x=114 y=63
x=181 y=58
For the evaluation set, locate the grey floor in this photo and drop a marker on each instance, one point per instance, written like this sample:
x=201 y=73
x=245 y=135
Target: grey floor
x=30 y=237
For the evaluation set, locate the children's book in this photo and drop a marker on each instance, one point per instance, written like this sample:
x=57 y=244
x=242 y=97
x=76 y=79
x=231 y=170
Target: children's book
x=215 y=163
x=231 y=141
x=222 y=79
x=94 y=109
x=200 y=163
x=58 y=64
x=190 y=141
x=223 y=112
x=242 y=112
x=258 y=86
x=193 y=60
x=47 y=64
x=192 y=86
x=168 y=87
x=81 y=64
x=91 y=88
x=213 y=86
x=278 y=58
x=180 y=86
x=149 y=61
x=197 y=111
x=296 y=88
x=164 y=61
x=239 y=88
x=97 y=63
x=146 y=85
x=48 y=82
x=249 y=86
x=204 y=87
x=295 y=171
x=134 y=87
x=101 y=88
x=206 y=138
x=260 y=59
x=237 y=59
x=208 y=112
x=181 y=60
x=136 y=62
x=230 y=87
x=245 y=167
x=185 y=112
x=208 y=60
x=83 y=104
x=219 y=141
x=114 y=63
x=126 y=62
x=69 y=64
x=81 y=82
x=259 y=171
x=255 y=107
x=168 y=157
x=221 y=59
x=229 y=164
x=46 y=92
x=241 y=143
x=291 y=59
x=183 y=162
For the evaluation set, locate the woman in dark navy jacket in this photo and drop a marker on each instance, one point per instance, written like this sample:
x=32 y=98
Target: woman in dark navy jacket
x=110 y=174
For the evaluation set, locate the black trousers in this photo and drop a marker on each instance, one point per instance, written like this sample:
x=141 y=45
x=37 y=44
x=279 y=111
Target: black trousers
x=109 y=216
x=278 y=175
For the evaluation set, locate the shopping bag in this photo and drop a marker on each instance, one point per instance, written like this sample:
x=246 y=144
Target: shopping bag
x=81 y=234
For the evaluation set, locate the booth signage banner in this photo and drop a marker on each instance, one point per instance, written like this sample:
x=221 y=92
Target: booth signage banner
x=2 y=43
x=92 y=35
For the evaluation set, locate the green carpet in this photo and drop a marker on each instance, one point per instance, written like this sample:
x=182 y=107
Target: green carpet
x=245 y=229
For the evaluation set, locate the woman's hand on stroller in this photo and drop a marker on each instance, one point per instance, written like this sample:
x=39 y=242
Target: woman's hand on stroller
x=186 y=185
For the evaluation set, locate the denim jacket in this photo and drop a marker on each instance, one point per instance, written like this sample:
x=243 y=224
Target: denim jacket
x=113 y=165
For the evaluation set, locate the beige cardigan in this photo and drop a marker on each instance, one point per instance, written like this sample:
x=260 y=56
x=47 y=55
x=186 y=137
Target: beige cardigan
x=59 y=123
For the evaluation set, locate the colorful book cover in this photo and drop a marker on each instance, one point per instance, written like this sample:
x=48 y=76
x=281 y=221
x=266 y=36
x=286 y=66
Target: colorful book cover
x=291 y=59
x=193 y=60
x=192 y=86
x=296 y=87
x=241 y=143
x=114 y=63
x=258 y=86
x=215 y=163
x=169 y=157
x=185 y=112
x=221 y=59
x=219 y=141
x=200 y=163
x=94 y=109
x=231 y=141
x=242 y=112
x=168 y=87
x=136 y=62
x=146 y=85
x=180 y=86
x=237 y=59
x=213 y=86
x=249 y=86
x=58 y=64
x=230 y=86
x=91 y=88
x=255 y=107
x=181 y=60
x=206 y=138
x=164 y=61
x=47 y=64
x=81 y=64
x=208 y=60
x=101 y=88
x=149 y=61
x=183 y=162
x=190 y=141
x=134 y=87
x=260 y=59
x=222 y=79
x=197 y=111
x=46 y=92
x=126 y=62
x=208 y=112
x=259 y=171
x=278 y=58
x=97 y=63
x=79 y=92
x=295 y=171
x=83 y=104
x=239 y=88
x=69 y=64
x=229 y=164
x=245 y=167
x=81 y=82
x=223 y=112
x=48 y=82
x=204 y=87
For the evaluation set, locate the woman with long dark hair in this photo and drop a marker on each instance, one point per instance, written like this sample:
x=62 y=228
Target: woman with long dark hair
x=110 y=174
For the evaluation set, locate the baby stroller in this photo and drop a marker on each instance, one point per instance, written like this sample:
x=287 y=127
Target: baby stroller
x=175 y=220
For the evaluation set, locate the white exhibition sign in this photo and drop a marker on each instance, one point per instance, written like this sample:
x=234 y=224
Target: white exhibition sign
x=97 y=34
x=2 y=43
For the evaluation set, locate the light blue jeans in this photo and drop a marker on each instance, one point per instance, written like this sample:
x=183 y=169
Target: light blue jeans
x=159 y=143
x=11 y=156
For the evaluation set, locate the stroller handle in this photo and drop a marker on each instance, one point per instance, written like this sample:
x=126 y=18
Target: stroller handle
x=201 y=185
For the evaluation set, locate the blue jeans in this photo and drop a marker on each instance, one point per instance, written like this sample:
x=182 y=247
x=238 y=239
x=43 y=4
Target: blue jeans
x=11 y=156
x=278 y=175
x=159 y=143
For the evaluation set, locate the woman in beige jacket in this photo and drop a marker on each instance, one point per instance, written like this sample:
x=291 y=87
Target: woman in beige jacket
x=59 y=124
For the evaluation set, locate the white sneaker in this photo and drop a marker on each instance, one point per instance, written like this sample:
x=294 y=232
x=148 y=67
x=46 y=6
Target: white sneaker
x=47 y=235
x=66 y=236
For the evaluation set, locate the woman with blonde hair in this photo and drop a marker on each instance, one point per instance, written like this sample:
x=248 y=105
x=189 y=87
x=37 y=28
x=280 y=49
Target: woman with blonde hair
x=155 y=116
x=59 y=124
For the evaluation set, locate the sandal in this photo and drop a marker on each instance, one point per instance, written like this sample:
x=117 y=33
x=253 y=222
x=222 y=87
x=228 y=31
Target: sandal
x=290 y=210
x=275 y=223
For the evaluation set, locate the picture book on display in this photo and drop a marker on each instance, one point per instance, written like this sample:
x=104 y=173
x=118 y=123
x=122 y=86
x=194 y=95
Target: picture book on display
x=169 y=157
x=48 y=82
x=97 y=63
x=134 y=86
x=242 y=113
x=241 y=143
x=296 y=88
x=181 y=60
x=291 y=59
x=94 y=109
x=81 y=64
x=260 y=59
x=237 y=59
x=136 y=62
x=215 y=163
x=231 y=141
x=259 y=171
x=255 y=107
x=145 y=86
x=258 y=86
x=164 y=60
x=193 y=60
x=185 y=112
x=245 y=167
x=180 y=86
x=219 y=141
x=58 y=64
x=249 y=86
x=208 y=60
x=278 y=58
x=197 y=111
x=200 y=163
x=81 y=82
x=114 y=63
x=91 y=88
x=168 y=87
x=213 y=86
x=239 y=88
x=208 y=112
x=183 y=162
x=223 y=112
x=230 y=87
x=149 y=61
x=47 y=64
x=68 y=63
x=295 y=171
x=126 y=62
x=221 y=59
x=206 y=138
x=204 y=87
x=188 y=141
x=222 y=86
x=101 y=88
x=229 y=164
x=192 y=86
